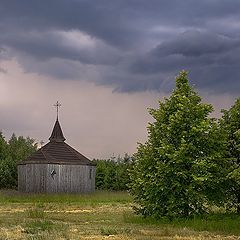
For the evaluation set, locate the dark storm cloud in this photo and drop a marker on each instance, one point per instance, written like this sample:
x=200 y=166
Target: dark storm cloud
x=132 y=45
x=118 y=22
x=187 y=50
x=212 y=59
x=196 y=44
x=100 y=19
x=47 y=45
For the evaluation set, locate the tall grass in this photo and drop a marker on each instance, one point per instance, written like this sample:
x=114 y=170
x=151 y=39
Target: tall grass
x=215 y=222
x=39 y=225
x=99 y=197
x=35 y=213
x=218 y=222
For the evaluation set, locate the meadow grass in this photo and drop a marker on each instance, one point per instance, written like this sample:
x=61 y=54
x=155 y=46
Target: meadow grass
x=99 y=216
x=99 y=197
x=216 y=222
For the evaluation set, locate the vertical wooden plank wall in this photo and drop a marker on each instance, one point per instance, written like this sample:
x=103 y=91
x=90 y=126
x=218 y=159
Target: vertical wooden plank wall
x=66 y=178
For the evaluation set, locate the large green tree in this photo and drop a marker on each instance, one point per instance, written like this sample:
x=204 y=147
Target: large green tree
x=179 y=170
x=230 y=124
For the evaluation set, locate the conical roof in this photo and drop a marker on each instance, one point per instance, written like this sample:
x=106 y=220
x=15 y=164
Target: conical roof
x=56 y=151
x=57 y=134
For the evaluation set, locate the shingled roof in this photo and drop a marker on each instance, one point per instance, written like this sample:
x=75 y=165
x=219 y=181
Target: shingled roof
x=56 y=151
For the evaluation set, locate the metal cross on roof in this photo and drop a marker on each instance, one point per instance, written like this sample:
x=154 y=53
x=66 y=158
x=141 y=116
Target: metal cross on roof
x=57 y=105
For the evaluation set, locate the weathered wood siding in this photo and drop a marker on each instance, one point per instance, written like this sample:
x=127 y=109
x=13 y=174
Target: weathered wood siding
x=67 y=178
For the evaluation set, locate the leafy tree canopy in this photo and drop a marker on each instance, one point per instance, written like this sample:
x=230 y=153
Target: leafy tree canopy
x=230 y=124
x=11 y=152
x=178 y=171
x=112 y=174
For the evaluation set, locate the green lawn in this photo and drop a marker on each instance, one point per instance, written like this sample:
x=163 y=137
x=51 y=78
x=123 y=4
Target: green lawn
x=102 y=215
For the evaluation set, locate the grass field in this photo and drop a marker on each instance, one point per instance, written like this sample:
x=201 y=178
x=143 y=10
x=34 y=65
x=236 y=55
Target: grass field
x=102 y=215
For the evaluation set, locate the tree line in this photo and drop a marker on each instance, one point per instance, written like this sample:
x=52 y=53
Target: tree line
x=11 y=152
x=112 y=174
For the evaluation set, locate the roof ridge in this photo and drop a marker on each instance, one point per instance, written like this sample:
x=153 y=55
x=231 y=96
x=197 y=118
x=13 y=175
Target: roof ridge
x=76 y=152
x=72 y=149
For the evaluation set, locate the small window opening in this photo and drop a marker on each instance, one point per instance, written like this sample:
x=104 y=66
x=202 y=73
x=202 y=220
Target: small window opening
x=53 y=172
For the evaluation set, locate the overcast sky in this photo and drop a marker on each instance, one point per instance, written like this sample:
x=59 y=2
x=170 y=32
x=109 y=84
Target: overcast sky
x=107 y=61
